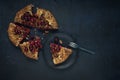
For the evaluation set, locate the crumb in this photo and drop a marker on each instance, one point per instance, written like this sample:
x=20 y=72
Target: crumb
x=60 y=41
x=46 y=32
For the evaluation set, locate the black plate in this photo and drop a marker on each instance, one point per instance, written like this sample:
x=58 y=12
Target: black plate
x=48 y=57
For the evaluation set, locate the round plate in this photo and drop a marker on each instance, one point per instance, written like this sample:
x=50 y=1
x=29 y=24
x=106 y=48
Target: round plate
x=48 y=55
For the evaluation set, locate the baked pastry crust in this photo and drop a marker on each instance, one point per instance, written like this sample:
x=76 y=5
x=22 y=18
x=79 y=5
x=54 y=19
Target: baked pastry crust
x=28 y=53
x=59 y=56
x=42 y=19
x=15 y=38
x=20 y=13
x=48 y=16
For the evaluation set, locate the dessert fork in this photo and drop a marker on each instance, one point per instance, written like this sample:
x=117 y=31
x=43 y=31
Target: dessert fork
x=74 y=45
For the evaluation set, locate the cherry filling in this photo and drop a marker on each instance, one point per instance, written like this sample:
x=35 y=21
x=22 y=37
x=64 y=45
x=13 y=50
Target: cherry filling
x=23 y=32
x=34 y=21
x=17 y=32
x=54 y=48
x=25 y=49
x=35 y=44
x=28 y=19
x=26 y=16
x=43 y=23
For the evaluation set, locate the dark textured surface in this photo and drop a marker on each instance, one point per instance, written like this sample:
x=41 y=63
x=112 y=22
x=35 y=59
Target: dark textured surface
x=94 y=25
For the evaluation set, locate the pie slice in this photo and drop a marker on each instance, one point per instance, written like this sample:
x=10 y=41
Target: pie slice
x=23 y=16
x=59 y=53
x=46 y=20
x=31 y=48
x=42 y=19
x=17 y=33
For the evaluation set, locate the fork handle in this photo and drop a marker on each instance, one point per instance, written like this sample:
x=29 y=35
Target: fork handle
x=86 y=50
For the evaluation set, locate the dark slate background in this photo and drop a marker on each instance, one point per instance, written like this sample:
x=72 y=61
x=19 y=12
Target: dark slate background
x=94 y=25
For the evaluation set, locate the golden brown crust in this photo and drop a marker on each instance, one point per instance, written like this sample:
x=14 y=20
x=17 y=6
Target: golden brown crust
x=48 y=16
x=20 y=13
x=28 y=53
x=15 y=39
x=63 y=55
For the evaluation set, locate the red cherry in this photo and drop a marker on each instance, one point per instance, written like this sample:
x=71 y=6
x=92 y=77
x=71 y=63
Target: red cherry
x=35 y=16
x=38 y=23
x=25 y=49
x=31 y=47
x=32 y=20
x=33 y=50
x=55 y=48
x=32 y=43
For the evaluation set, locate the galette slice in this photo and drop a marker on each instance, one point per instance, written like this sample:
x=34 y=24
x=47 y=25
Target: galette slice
x=42 y=19
x=31 y=48
x=25 y=16
x=59 y=53
x=17 y=33
x=46 y=20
